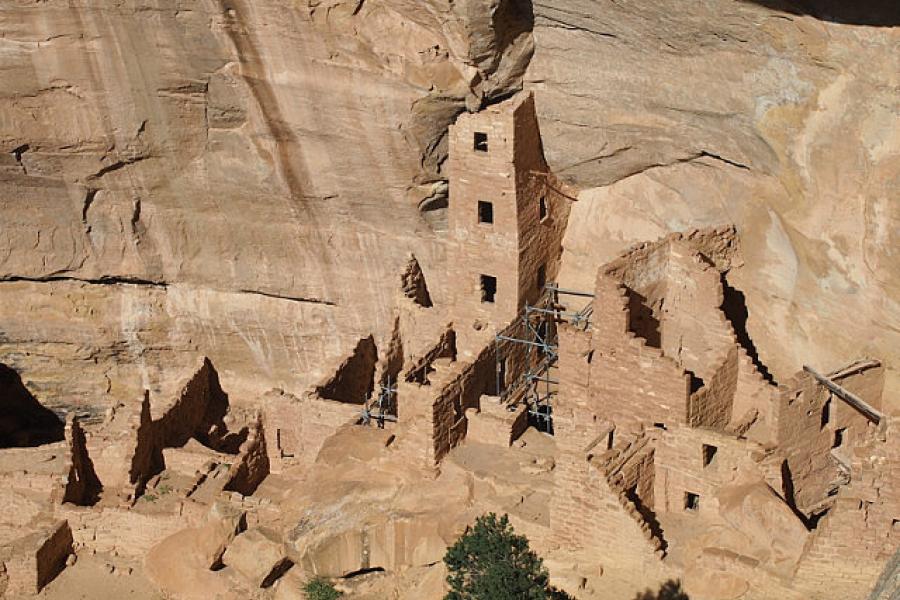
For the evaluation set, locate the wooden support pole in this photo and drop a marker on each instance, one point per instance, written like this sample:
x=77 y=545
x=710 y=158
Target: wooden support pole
x=847 y=396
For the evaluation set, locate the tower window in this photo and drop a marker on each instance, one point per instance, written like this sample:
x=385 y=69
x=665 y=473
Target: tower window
x=542 y=206
x=838 y=437
x=541 y=277
x=485 y=212
x=481 y=142
x=826 y=414
x=691 y=501
x=709 y=452
x=488 y=288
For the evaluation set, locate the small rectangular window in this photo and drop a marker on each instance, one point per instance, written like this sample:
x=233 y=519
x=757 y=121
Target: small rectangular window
x=691 y=501
x=838 y=437
x=543 y=208
x=485 y=212
x=501 y=376
x=481 y=141
x=541 y=277
x=660 y=426
x=709 y=452
x=610 y=439
x=826 y=414
x=488 y=288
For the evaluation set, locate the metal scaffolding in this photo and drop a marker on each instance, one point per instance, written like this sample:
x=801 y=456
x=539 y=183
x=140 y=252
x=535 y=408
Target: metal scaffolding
x=383 y=408
x=535 y=334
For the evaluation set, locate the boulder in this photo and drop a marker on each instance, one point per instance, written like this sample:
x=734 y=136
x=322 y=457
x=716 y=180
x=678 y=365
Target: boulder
x=258 y=557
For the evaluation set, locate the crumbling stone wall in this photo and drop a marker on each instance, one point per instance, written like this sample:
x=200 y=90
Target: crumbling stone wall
x=198 y=412
x=413 y=283
x=296 y=428
x=711 y=406
x=354 y=380
x=806 y=443
x=659 y=395
x=82 y=485
x=445 y=348
x=845 y=554
x=494 y=423
x=252 y=464
x=463 y=392
x=146 y=451
x=700 y=461
x=37 y=558
x=590 y=513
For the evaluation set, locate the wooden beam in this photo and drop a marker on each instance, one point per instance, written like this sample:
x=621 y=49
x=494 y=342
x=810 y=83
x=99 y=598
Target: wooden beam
x=847 y=396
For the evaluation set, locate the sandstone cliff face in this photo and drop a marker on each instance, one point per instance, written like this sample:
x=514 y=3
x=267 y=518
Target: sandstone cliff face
x=246 y=180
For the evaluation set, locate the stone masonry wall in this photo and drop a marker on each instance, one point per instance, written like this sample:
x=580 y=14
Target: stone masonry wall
x=252 y=464
x=711 y=406
x=82 y=485
x=483 y=248
x=296 y=428
x=681 y=467
x=844 y=556
x=804 y=442
x=659 y=395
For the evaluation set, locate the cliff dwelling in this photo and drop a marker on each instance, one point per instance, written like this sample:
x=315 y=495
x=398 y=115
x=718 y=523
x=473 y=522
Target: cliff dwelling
x=296 y=380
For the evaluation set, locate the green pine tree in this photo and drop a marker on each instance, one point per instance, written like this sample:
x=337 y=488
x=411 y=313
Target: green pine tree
x=320 y=589
x=491 y=562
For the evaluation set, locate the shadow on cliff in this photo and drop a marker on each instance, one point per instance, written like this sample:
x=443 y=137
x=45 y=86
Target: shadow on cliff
x=670 y=590
x=874 y=13
x=24 y=422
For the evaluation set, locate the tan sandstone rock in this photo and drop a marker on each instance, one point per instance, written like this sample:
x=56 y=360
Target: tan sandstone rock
x=257 y=557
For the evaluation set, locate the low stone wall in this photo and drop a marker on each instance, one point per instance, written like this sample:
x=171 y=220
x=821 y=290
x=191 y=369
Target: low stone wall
x=38 y=558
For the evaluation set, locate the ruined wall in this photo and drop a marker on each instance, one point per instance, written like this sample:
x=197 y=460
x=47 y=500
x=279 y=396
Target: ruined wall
x=251 y=466
x=711 y=406
x=354 y=380
x=82 y=485
x=860 y=533
x=595 y=522
x=805 y=442
x=694 y=331
x=38 y=558
x=755 y=400
x=463 y=392
x=494 y=423
x=659 y=395
x=685 y=464
x=296 y=428
x=144 y=449
x=845 y=554
x=413 y=283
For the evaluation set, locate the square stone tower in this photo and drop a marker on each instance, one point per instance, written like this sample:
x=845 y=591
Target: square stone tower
x=505 y=235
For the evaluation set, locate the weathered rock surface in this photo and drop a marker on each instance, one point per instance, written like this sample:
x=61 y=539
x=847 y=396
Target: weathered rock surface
x=245 y=179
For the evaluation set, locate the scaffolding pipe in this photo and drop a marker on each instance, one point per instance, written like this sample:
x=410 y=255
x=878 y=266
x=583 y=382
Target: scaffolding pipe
x=566 y=292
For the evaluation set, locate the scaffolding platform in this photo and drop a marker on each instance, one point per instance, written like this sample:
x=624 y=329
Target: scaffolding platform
x=535 y=333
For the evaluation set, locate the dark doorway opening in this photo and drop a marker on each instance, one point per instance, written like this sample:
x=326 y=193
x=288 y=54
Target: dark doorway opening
x=488 y=288
x=541 y=418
